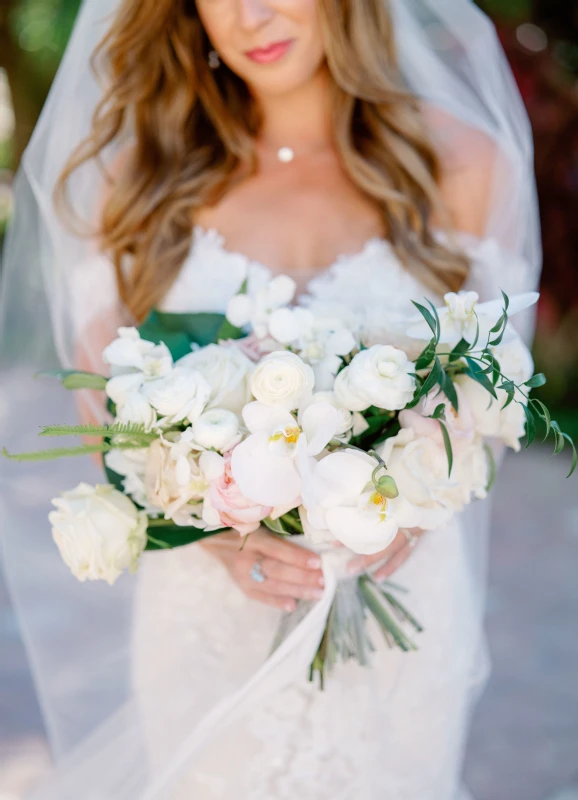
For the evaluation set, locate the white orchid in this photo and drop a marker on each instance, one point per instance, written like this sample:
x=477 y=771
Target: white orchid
x=344 y=501
x=351 y=423
x=130 y=353
x=270 y=465
x=256 y=307
x=462 y=314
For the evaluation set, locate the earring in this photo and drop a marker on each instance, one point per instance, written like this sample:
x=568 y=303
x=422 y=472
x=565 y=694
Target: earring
x=214 y=60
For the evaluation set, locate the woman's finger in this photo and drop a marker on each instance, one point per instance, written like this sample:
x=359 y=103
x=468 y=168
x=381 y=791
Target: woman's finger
x=290 y=574
x=275 y=547
x=284 y=589
x=362 y=563
x=393 y=564
x=284 y=603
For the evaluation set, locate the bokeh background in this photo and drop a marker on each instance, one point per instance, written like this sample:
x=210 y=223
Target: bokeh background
x=524 y=743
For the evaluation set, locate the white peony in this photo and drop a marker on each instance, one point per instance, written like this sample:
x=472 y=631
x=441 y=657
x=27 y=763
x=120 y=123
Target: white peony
x=217 y=429
x=282 y=380
x=419 y=466
x=227 y=371
x=99 y=532
x=381 y=376
x=180 y=395
x=344 y=501
x=130 y=465
x=490 y=418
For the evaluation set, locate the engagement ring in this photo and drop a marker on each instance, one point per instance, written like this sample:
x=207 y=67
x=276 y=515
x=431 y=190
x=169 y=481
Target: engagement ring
x=257 y=574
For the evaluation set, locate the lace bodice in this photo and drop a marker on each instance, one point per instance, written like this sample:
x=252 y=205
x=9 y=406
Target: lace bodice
x=212 y=274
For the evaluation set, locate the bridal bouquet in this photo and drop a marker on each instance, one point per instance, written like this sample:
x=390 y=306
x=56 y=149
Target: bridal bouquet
x=282 y=415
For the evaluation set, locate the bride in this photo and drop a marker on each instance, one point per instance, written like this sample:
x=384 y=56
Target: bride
x=376 y=151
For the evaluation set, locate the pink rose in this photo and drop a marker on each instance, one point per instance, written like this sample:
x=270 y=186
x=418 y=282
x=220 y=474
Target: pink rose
x=235 y=510
x=253 y=347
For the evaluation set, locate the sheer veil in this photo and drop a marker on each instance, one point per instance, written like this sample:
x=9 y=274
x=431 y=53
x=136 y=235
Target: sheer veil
x=55 y=284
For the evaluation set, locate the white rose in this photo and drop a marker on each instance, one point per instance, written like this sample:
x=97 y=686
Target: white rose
x=419 y=466
x=99 y=532
x=227 y=371
x=282 y=380
x=217 y=429
x=381 y=376
x=490 y=419
x=182 y=394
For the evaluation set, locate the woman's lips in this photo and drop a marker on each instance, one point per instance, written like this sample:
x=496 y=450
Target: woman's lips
x=273 y=52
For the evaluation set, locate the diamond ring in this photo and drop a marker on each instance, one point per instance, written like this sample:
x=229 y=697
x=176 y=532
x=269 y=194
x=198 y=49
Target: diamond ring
x=257 y=573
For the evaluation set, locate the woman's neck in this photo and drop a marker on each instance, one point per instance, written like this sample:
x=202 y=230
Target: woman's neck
x=301 y=120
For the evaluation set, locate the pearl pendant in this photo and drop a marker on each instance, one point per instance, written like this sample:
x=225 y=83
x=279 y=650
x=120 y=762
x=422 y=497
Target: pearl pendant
x=286 y=155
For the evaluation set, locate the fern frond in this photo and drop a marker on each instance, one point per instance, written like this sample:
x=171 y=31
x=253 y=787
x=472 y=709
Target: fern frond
x=118 y=429
x=62 y=452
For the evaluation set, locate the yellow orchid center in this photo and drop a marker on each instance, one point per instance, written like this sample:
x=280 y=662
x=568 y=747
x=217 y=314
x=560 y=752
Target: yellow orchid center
x=289 y=435
x=380 y=505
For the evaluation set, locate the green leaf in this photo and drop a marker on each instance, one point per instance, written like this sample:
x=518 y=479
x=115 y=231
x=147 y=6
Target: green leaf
x=449 y=390
x=427 y=356
x=536 y=381
x=429 y=318
x=510 y=399
x=163 y=535
x=72 y=379
x=479 y=375
x=440 y=412
x=459 y=350
x=435 y=376
x=542 y=410
x=530 y=424
x=492 y=466
x=275 y=525
x=574 y=455
x=180 y=331
x=448 y=446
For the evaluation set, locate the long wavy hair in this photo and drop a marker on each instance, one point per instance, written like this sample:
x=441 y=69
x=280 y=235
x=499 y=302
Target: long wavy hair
x=193 y=129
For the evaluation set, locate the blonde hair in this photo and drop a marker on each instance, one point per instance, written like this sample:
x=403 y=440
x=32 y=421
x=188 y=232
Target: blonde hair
x=194 y=130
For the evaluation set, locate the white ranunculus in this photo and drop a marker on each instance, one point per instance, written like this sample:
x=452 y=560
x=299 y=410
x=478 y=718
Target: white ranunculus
x=217 y=429
x=381 y=376
x=490 y=418
x=419 y=466
x=181 y=395
x=99 y=532
x=227 y=371
x=129 y=352
x=282 y=380
x=344 y=501
x=272 y=465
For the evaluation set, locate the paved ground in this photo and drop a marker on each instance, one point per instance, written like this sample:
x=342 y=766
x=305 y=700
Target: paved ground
x=524 y=744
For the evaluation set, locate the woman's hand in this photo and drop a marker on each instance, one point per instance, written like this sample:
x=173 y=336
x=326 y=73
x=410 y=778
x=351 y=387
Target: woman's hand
x=291 y=572
x=396 y=554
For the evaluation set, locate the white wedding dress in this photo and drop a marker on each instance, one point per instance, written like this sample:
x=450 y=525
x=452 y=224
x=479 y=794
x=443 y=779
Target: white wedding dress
x=394 y=731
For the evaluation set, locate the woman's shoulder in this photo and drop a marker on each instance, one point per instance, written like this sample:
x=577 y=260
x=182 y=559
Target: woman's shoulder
x=470 y=161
